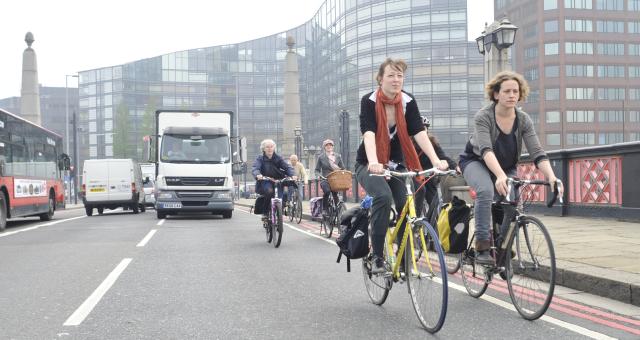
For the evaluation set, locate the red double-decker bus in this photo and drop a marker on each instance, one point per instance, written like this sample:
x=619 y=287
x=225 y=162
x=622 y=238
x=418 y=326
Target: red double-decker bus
x=31 y=169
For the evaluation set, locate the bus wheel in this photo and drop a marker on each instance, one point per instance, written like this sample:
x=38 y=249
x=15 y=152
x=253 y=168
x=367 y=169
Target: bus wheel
x=51 y=209
x=3 y=212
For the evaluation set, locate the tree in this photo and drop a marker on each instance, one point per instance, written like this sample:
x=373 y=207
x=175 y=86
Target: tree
x=149 y=124
x=121 y=147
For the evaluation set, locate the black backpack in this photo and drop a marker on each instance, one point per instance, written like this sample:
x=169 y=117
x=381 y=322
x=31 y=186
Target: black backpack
x=354 y=235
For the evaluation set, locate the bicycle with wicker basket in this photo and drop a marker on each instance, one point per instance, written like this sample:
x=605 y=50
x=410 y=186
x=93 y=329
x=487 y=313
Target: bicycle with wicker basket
x=339 y=180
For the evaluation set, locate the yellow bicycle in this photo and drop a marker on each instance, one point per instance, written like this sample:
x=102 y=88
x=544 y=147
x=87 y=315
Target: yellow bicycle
x=425 y=274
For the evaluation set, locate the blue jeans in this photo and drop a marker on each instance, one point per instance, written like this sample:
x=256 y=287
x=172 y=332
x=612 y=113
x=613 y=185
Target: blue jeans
x=480 y=178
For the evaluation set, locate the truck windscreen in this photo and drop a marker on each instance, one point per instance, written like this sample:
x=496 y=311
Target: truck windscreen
x=195 y=149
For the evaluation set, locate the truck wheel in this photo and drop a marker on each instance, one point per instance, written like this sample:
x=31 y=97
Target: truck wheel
x=135 y=208
x=3 y=212
x=161 y=215
x=100 y=210
x=227 y=214
x=88 y=209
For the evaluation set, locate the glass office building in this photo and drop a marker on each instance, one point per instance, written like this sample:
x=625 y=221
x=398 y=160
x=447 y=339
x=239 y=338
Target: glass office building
x=339 y=50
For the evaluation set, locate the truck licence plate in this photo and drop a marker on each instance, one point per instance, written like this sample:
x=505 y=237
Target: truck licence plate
x=96 y=190
x=172 y=205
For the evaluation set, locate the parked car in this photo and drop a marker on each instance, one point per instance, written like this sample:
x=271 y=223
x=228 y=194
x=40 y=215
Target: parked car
x=149 y=192
x=112 y=183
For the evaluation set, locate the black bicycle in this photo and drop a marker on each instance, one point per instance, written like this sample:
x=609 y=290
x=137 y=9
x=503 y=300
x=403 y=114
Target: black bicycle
x=523 y=255
x=332 y=216
x=293 y=204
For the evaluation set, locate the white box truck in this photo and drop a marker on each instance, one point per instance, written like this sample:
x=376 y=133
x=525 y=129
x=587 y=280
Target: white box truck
x=194 y=162
x=112 y=183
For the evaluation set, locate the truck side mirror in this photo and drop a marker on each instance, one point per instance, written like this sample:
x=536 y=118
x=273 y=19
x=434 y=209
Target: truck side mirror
x=147 y=148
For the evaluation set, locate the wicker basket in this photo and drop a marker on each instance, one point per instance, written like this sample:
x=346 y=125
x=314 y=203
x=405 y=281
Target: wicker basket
x=339 y=180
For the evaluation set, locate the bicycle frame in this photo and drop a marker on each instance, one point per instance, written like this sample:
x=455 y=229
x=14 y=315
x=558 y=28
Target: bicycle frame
x=275 y=202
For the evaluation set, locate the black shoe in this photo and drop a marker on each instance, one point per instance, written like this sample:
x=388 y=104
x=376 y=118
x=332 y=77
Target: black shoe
x=484 y=257
x=377 y=265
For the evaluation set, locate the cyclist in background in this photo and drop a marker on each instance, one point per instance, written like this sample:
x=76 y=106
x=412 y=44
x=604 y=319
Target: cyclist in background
x=270 y=164
x=493 y=151
x=389 y=117
x=300 y=173
x=328 y=162
x=429 y=190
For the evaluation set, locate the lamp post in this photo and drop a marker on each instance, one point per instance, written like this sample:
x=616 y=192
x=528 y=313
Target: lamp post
x=298 y=141
x=494 y=43
x=344 y=143
x=66 y=115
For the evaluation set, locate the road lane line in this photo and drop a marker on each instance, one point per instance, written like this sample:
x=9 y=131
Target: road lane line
x=8 y=233
x=87 y=306
x=146 y=238
x=161 y=222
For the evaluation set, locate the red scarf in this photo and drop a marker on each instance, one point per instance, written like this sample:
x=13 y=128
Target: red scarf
x=383 y=142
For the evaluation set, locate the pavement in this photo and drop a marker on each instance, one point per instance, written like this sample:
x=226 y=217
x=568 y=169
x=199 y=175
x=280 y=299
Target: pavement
x=596 y=256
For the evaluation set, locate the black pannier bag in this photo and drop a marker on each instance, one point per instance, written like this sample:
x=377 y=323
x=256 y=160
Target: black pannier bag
x=354 y=235
x=261 y=206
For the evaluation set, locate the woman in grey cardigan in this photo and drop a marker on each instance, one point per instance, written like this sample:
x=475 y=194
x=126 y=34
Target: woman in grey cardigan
x=327 y=162
x=494 y=148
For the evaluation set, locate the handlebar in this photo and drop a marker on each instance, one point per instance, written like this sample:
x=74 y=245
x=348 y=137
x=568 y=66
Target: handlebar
x=405 y=174
x=518 y=182
x=286 y=179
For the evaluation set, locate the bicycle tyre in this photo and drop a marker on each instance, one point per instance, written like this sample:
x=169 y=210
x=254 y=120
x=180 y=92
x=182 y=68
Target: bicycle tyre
x=326 y=219
x=338 y=216
x=277 y=227
x=428 y=287
x=474 y=276
x=531 y=283
x=289 y=206
x=268 y=229
x=377 y=285
x=298 y=210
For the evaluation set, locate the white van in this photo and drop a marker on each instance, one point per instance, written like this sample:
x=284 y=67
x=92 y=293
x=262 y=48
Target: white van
x=112 y=183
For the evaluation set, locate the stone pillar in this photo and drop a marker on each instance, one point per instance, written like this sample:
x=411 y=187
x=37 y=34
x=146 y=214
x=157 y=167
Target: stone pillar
x=30 y=92
x=292 y=116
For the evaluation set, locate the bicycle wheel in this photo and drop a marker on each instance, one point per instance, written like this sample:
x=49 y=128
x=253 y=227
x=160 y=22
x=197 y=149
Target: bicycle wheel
x=298 y=209
x=428 y=286
x=268 y=229
x=531 y=274
x=338 y=216
x=277 y=227
x=327 y=219
x=474 y=276
x=377 y=285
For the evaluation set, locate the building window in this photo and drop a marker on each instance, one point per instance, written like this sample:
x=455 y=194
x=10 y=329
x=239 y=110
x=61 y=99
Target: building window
x=634 y=71
x=577 y=47
x=634 y=116
x=531 y=52
x=609 y=138
x=609 y=5
x=551 y=26
x=610 y=116
x=610 y=71
x=551 y=49
x=578 y=70
x=610 y=49
x=553 y=117
x=609 y=26
x=611 y=93
x=550 y=4
x=553 y=139
x=581 y=138
x=580 y=116
x=578 y=25
x=552 y=94
x=634 y=5
x=634 y=26
x=579 y=93
x=552 y=71
x=633 y=49
x=534 y=96
x=531 y=74
x=530 y=31
x=578 y=4
x=634 y=94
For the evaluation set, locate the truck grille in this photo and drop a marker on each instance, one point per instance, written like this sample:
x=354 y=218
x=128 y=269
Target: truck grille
x=193 y=194
x=195 y=181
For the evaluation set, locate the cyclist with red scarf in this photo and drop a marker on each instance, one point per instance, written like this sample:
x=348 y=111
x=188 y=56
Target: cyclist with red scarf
x=389 y=117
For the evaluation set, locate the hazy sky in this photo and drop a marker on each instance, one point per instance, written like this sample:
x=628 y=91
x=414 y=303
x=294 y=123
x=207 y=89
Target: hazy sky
x=78 y=35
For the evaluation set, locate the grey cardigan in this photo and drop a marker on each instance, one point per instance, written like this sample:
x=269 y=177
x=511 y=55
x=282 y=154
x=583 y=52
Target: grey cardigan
x=323 y=166
x=486 y=132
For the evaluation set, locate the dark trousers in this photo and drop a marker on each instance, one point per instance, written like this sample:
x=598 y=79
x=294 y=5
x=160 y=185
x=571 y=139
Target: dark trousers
x=326 y=191
x=425 y=195
x=383 y=193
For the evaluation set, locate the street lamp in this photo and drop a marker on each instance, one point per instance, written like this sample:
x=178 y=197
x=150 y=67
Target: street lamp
x=66 y=115
x=500 y=35
x=297 y=131
x=345 y=138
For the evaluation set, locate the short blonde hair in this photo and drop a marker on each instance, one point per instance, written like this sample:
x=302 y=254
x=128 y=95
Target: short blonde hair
x=396 y=64
x=494 y=85
x=265 y=142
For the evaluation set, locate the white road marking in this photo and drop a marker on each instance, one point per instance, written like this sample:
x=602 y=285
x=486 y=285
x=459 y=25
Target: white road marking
x=146 y=238
x=87 y=306
x=161 y=222
x=8 y=233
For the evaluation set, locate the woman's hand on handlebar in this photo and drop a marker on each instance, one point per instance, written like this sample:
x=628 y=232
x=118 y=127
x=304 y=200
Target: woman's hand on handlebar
x=376 y=168
x=501 y=185
x=442 y=165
